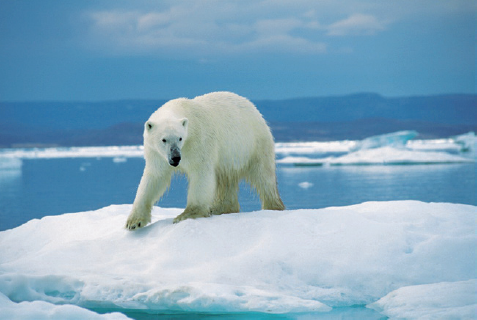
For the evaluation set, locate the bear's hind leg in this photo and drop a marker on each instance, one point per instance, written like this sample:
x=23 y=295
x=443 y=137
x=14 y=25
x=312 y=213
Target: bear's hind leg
x=263 y=178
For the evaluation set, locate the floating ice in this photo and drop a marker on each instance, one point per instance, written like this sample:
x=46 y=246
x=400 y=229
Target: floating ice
x=302 y=152
x=391 y=149
x=120 y=159
x=395 y=139
x=468 y=141
x=305 y=185
x=380 y=156
x=265 y=261
x=9 y=163
x=313 y=147
x=74 y=152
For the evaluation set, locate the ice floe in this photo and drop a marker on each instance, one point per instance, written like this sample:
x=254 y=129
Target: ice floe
x=41 y=310
x=395 y=139
x=376 y=253
x=380 y=156
x=115 y=152
x=389 y=149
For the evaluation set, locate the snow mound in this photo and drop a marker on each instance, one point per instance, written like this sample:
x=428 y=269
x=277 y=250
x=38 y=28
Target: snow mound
x=40 y=310
x=445 y=300
x=266 y=261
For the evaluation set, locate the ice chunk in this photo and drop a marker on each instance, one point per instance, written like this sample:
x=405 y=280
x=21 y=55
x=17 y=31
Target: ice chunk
x=395 y=139
x=266 y=261
x=305 y=185
x=445 y=300
x=120 y=159
x=10 y=163
x=467 y=141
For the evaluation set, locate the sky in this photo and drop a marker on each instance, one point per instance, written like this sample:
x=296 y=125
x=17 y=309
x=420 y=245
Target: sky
x=66 y=50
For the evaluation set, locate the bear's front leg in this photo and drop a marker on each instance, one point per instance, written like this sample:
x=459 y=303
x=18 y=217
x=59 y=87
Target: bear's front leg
x=200 y=196
x=138 y=218
x=151 y=188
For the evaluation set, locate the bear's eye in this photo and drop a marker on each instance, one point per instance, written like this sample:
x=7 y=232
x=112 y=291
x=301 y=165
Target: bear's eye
x=164 y=140
x=149 y=126
x=180 y=139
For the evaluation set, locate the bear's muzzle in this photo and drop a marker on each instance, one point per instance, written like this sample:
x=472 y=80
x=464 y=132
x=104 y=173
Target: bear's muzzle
x=175 y=156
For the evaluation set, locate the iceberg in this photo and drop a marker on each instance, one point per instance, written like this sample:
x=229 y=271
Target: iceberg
x=309 y=260
x=467 y=142
x=396 y=139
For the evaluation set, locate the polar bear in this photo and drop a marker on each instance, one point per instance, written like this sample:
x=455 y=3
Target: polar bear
x=216 y=140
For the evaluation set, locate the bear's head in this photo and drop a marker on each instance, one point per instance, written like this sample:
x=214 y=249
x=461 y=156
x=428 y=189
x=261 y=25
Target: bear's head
x=166 y=137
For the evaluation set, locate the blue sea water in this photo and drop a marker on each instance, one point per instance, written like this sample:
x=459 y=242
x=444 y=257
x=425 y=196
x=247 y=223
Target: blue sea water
x=43 y=187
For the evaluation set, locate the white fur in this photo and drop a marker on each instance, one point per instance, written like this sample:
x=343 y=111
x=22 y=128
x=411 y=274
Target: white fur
x=222 y=139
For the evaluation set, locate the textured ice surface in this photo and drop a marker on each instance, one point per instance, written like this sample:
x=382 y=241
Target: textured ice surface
x=395 y=139
x=389 y=149
x=445 y=300
x=41 y=310
x=273 y=262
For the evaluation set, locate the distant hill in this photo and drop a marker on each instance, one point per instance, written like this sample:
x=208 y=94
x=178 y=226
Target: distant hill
x=302 y=119
x=445 y=109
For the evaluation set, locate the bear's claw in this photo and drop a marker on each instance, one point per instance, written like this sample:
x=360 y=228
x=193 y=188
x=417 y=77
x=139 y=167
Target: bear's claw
x=133 y=224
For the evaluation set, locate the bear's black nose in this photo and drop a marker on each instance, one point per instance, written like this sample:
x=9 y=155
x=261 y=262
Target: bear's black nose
x=175 y=161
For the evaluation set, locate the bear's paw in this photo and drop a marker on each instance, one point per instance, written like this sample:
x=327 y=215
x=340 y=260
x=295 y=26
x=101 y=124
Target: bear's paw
x=136 y=221
x=191 y=214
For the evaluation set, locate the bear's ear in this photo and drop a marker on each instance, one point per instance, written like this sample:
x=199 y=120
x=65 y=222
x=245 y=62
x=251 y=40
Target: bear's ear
x=184 y=122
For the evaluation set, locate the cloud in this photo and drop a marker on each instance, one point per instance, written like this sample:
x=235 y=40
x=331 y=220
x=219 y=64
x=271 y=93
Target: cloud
x=213 y=28
x=183 y=30
x=356 y=24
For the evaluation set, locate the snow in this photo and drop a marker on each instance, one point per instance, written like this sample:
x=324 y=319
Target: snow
x=445 y=300
x=40 y=310
x=381 y=254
